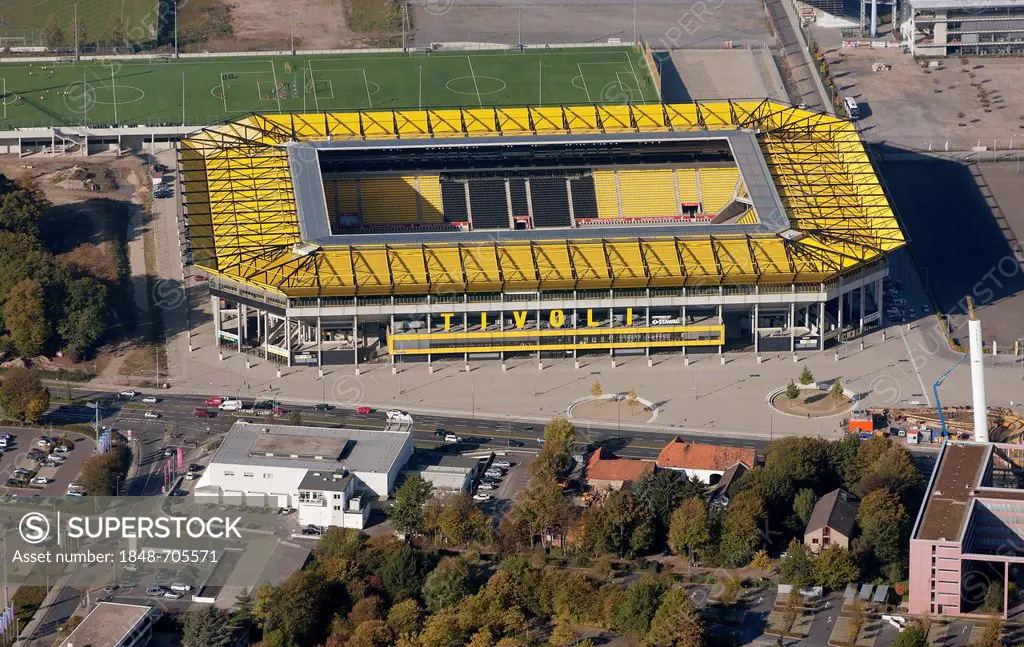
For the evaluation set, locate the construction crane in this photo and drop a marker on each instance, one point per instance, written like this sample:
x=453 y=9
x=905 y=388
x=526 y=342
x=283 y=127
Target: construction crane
x=938 y=382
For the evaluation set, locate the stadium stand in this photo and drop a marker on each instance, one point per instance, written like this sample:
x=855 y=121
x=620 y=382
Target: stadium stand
x=717 y=187
x=647 y=193
x=348 y=196
x=388 y=200
x=748 y=218
x=584 y=199
x=453 y=199
x=517 y=193
x=686 y=185
x=606 y=190
x=431 y=206
x=488 y=204
x=550 y=202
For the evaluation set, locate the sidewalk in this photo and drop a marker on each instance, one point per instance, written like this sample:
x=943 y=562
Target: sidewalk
x=785 y=23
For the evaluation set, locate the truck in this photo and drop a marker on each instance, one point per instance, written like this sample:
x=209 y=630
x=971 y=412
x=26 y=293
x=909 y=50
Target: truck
x=862 y=422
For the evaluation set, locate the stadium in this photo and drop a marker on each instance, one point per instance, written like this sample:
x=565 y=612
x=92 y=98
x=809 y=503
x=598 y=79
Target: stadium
x=550 y=232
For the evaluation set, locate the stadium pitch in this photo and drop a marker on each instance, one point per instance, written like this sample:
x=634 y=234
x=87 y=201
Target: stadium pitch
x=151 y=91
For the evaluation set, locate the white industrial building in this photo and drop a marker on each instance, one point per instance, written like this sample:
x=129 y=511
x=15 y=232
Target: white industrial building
x=964 y=27
x=329 y=475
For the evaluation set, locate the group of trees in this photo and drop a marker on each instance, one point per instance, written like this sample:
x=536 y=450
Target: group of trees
x=23 y=396
x=47 y=305
x=807 y=378
x=383 y=592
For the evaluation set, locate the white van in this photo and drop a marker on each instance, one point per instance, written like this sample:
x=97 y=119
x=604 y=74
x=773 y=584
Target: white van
x=852 y=109
x=395 y=414
x=230 y=405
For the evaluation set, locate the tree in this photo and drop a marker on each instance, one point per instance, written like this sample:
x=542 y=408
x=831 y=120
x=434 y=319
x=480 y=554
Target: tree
x=21 y=208
x=78 y=28
x=837 y=390
x=25 y=318
x=806 y=377
x=992 y=635
x=442 y=630
x=405 y=618
x=803 y=505
x=632 y=400
x=792 y=390
x=913 y=636
x=635 y=609
x=404 y=572
x=796 y=567
x=677 y=622
x=53 y=33
x=741 y=531
x=564 y=633
x=761 y=560
x=444 y=589
x=372 y=607
x=596 y=389
x=835 y=567
x=804 y=461
x=372 y=633
x=84 y=319
x=22 y=394
x=206 y=628
x=116 y=34
x=689 y=532
x=883 y=523
x=406 y=514
x=295 y=418
x=560 y=433
x=296 y=609
x=454 y=519
x=242 y=617
x=661 y=492
x=993 y=597
x=730 y=589
x=102 y=473
x=882 y=464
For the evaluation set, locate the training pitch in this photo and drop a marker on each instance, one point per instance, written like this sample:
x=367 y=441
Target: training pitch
x=151 y=91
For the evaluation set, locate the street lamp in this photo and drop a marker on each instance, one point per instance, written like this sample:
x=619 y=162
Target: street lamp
x=95 y=406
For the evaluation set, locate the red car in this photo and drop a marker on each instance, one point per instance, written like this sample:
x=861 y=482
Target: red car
x=214 y=402
x=201 y=413
x=364 y=410
x=278 y=411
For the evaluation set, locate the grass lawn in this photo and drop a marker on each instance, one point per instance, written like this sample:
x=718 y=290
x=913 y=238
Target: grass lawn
x=210 y=90
x=24 y=19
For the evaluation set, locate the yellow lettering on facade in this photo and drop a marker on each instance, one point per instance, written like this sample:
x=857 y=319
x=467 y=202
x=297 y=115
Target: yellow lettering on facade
x=629 y=316
x=520 y=318
x=447 y=316
x=557 y=318
x=483 y=321
x=590 y=319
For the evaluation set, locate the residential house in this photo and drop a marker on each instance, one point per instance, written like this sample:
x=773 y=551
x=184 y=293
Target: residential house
x=832 y=521
x=708 y=463
x=606 y=471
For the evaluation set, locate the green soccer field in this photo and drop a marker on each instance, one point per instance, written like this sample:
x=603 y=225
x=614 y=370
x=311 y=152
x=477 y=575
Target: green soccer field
x=209 y=90
x=23 y=20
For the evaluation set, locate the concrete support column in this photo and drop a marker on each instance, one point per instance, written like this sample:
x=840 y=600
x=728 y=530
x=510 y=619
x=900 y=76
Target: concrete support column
x=355 y=342
x=842 y=301
x=682 y=319
x=821 y=325
x=753 y=329
x=215 y=303
x=465 y=328
x=721 y=322
x=611 y=324
x=391 y=332
x=539 y=365
x=792 y=327
x=266 y=334
x=319 y=343
x=288 y=338
x=243 y=327
x=576 y=339
x=860 y=326
x=647 y=336
x=430 y=330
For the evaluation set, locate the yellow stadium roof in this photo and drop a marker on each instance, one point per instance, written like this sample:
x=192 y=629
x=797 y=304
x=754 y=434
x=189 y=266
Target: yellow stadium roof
x=243 y=222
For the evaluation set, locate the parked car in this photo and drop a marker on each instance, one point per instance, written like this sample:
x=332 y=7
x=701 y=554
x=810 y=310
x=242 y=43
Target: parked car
x=501 y=463
x=3 y=443
x=364 y=410
x=452 y=438
x=155 y=591
x=15 y=482
x=497 y=473
x=486 y=486
x=40 y=480
x=195 y=467
x=173 y=595
x=513 y=443
x=199 y=412
x=191 y=476
x=168 y=452
x=149 y=399
x=56 y=458
x=322 y=406
x=214 y=401
x=151 y=414
x=482 y=496
x=181 y=588
x=43 y=443
x=440 y=432
x=49 y=464
x=7 y=436
x=130 y=567
x=63 y=449
x=128 y=393
x=21 y=471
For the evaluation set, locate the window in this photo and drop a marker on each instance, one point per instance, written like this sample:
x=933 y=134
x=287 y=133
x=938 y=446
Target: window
x=814 y=540
x=337 y=496
x=268 y=475
x=248 y=475
x=226 y=473
x=337 y=508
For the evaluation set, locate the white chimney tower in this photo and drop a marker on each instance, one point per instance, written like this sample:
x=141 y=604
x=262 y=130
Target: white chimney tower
x=977 y=376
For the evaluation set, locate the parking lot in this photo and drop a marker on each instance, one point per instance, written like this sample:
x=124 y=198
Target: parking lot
x=26 y=460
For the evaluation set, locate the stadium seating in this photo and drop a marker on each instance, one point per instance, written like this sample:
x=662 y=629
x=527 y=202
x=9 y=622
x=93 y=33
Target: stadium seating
x=607 y=194
x=348 y=196
x=584 y=199
x=648 y=193
x=488 y=205
x=550 y=202
x=388 y=200
x=717 y=187
x=517 y=192
x=431 y=207
x=453 y=198
x=686 y=181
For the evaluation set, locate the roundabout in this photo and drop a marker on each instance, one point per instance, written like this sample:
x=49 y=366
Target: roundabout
x=811 y=401
x=612 y=407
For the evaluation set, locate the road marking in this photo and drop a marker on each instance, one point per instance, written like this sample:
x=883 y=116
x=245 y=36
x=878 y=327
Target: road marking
x=475 y=84
x=277 y=90
x=113 y=91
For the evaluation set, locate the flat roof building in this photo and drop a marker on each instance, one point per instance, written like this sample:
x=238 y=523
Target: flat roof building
x=964 y=27
x=968 y=533
x=328 y=474
x=112 y=624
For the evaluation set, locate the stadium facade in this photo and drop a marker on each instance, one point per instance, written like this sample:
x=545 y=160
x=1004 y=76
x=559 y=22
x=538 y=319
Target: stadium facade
x=544 y=232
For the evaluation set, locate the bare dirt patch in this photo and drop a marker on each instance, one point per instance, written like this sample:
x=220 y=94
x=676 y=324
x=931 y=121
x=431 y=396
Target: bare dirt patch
x=317 y=24
x=611 y=411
